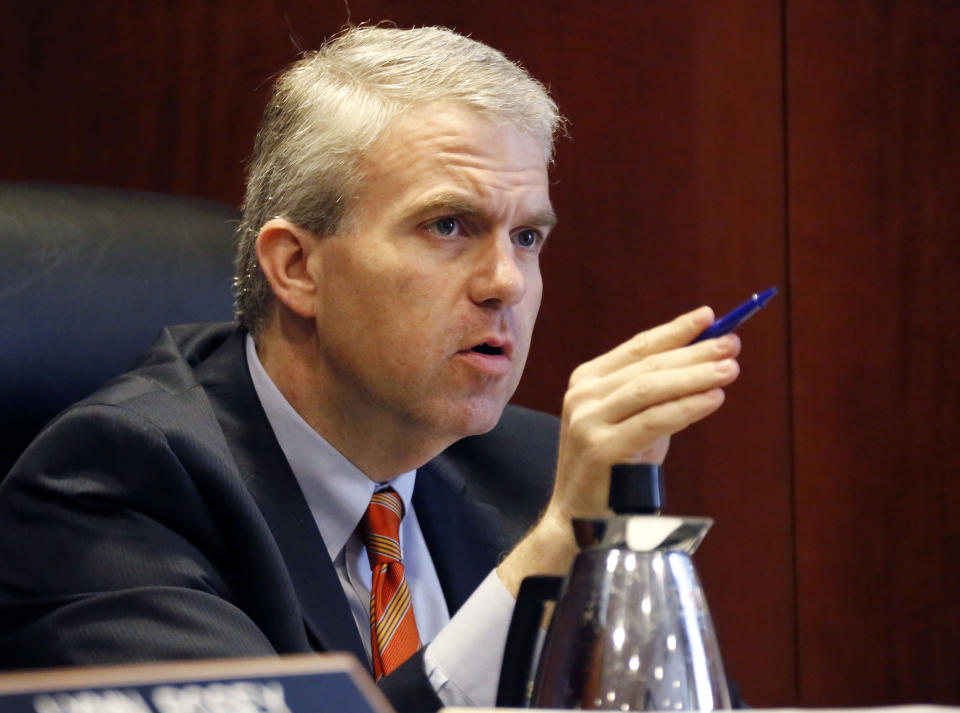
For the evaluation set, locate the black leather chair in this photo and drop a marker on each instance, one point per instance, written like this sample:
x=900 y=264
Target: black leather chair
x=89 y=276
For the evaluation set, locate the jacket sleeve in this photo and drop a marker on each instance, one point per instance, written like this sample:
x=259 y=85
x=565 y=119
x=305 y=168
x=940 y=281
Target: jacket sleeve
x=110 y=551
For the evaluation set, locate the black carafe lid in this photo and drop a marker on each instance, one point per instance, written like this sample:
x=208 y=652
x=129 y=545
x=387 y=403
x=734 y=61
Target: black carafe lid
x=636 y=489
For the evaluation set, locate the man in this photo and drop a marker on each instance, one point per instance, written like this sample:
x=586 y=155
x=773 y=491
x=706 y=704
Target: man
x=222 y=499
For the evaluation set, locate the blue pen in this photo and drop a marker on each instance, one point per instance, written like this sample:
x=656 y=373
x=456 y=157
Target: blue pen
x=728 y=322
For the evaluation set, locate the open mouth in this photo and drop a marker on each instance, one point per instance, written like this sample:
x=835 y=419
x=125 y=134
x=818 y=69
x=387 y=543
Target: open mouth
x=492 y=357
x=489 y=349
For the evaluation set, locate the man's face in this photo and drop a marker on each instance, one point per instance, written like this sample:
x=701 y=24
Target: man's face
x=427 y=301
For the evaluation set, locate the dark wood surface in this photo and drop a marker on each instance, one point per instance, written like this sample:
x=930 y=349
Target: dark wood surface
x=717 y=149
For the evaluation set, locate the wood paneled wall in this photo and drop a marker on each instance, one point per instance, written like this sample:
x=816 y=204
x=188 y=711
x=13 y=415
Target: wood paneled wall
x=717 y=148
x=874 y=179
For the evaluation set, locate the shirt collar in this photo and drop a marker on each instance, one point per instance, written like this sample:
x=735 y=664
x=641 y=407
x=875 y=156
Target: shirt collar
x=336 y=491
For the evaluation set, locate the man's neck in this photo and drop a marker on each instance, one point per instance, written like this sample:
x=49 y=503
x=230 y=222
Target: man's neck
x=379 y=447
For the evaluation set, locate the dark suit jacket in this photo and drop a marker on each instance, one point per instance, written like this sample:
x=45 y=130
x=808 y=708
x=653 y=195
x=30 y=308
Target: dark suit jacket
x=158 y=520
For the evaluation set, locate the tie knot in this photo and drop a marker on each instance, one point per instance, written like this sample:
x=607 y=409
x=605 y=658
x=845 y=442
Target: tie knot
x=381 y=527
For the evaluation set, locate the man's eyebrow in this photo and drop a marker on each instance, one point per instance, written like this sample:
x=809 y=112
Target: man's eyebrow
x=448 y=203
x=546 y=219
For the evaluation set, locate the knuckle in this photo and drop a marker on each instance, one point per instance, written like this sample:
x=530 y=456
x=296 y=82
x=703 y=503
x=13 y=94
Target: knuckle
x=595 y=442
x=643 y=390
x=648 y=364
x=640 y=345
x=589 y=433
x=581 y=421
x=578 y=375
x=575 y=395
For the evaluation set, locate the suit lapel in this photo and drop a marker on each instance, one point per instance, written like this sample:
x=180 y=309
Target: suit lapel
x=268 y=477
x=465 y=537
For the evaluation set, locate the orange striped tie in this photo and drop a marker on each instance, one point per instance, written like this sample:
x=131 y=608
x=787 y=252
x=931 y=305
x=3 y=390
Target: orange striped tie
x=393 y=630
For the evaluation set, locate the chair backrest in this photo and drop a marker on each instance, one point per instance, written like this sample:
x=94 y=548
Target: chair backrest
x=89 y=277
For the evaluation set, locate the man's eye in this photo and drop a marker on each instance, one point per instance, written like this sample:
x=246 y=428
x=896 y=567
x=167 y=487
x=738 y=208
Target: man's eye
x=527 y=238
x=444 y=226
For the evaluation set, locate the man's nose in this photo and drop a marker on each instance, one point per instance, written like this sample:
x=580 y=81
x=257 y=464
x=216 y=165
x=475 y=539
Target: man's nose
x=498 y=280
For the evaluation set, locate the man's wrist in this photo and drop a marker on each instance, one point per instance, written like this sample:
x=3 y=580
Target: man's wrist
x=549 y=548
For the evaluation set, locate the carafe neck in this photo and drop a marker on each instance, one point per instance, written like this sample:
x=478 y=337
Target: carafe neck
x=642 y=533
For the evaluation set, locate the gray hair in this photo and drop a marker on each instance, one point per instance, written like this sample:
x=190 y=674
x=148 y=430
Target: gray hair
x=329 y=106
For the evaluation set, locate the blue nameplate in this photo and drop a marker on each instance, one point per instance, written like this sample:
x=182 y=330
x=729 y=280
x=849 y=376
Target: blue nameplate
x=291 y=684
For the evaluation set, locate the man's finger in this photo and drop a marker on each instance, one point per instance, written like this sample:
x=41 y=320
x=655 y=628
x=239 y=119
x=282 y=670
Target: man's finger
x=631 y=437
x=675 y=333
x=713 y=350
x=655 y=388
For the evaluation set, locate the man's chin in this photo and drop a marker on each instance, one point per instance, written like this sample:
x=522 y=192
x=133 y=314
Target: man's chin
x=476 y=418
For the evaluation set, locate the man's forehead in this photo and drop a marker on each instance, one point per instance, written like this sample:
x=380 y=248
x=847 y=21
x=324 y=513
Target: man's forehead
x=446 y=124
x=452 y=160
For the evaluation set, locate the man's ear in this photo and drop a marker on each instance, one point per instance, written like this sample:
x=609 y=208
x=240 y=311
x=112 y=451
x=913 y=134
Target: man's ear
x=283 y=249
